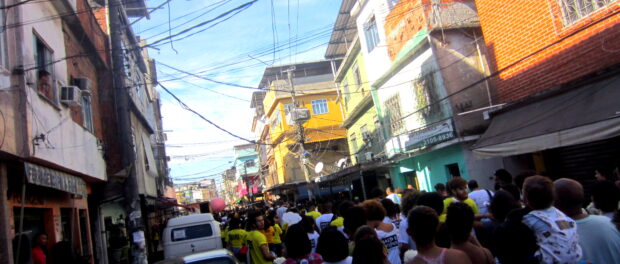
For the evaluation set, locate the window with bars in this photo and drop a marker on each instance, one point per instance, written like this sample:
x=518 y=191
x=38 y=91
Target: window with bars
x=393 y=112
x=575 y=10
x=319 y=106
x=358 y=78
x=371 y=33
x=426 y=97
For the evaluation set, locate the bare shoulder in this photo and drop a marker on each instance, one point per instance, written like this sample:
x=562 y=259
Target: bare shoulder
x=488 y=255
x=455 y=256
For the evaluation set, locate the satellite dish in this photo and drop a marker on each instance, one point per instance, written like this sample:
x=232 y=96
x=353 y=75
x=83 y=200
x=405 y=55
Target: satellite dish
x=341 y=162
x=318 y=168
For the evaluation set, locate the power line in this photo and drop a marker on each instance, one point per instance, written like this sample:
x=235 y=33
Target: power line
x=186 y=107
x=186 y=15
x=231 y=12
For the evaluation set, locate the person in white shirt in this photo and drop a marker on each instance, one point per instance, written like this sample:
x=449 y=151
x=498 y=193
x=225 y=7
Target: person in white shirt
x=308 y=223
x=598 y=237
x=387 y=233
x=327 y=216
x=482 y=197
x=392 y=196
x=556 y=233
x=280 y=211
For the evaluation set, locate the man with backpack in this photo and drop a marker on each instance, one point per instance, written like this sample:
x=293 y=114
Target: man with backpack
x=482 y=197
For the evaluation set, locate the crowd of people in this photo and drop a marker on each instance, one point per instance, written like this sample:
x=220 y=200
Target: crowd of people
x=524 y=219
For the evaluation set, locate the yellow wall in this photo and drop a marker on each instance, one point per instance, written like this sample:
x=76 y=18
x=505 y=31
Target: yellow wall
x=351 y=98
x=320 y=128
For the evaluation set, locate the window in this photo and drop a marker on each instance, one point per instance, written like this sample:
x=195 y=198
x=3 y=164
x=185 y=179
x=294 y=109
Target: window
x=353 y=140
x=191 y=232
x=426 y=96
x=250 y=163
x=276 y=119
x=371 y=33
x=319 y=106
x=358 y=78
x=392 y=105
x=574 y=10
x=87 y=112
x=347 y=94
x=43 y=58
x=365 y=134
x=287 y=108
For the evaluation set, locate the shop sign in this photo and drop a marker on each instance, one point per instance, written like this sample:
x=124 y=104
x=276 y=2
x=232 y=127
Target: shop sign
x=42 y=176
x=392 y=147
x=430 y=135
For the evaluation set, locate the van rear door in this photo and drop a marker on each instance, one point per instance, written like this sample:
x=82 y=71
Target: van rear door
x=194 y=238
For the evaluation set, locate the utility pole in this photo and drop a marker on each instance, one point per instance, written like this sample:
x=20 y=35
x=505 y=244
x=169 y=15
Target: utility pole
x=300 y=133
x=132 y=197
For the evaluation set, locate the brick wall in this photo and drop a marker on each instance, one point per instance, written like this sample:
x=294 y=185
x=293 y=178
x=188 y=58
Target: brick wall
x=514 y=30
x=402 y=23
x=93 y=20
x=95 y=66
x=408 y=17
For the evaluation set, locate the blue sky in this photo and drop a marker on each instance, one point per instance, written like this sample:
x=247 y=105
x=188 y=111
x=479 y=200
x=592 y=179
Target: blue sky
x=231 y=41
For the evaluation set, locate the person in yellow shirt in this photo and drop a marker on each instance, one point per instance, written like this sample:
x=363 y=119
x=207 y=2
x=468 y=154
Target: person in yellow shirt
x=313 y=212
x=225 y=234
x=275 y=243
x=458 y=188
x=235 y=237
x=258 y=248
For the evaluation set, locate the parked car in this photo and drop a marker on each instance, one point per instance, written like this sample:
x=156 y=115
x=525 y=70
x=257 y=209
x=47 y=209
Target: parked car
x=191 y=234
x=217 y=256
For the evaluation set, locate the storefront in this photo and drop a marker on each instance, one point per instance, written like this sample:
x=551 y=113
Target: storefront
x=51 y=202
x=424 y=170
x=568 y=134
x=434 y=154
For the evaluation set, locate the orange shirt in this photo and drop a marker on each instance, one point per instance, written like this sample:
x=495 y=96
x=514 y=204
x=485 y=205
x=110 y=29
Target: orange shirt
x=269 y=232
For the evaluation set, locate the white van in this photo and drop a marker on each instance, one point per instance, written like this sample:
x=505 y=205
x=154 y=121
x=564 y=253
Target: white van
x=191 y=234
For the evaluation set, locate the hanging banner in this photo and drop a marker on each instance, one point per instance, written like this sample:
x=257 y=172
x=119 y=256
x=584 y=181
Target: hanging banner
x=43 y=176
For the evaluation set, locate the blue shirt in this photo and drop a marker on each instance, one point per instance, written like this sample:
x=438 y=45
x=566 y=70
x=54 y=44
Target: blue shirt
x=599 y=239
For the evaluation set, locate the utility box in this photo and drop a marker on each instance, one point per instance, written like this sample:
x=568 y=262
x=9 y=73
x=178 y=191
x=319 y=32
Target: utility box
x=298 y=116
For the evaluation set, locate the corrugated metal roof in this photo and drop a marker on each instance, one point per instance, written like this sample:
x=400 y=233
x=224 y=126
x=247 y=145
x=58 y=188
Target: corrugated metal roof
x=345 y=30
x=302 y=69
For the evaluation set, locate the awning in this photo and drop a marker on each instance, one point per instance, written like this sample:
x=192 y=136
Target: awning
x=586 y=114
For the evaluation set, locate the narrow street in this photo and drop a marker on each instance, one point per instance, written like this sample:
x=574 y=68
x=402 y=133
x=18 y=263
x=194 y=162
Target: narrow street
x=309 y=131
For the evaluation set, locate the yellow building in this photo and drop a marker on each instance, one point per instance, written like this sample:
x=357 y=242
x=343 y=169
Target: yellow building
x=325 y=140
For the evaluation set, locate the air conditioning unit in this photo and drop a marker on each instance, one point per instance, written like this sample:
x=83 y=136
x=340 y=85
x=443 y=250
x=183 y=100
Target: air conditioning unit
x=298 y=115
x=70 y=95
x=84 y=84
